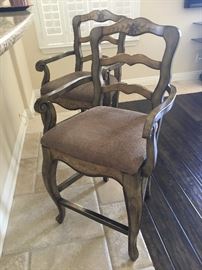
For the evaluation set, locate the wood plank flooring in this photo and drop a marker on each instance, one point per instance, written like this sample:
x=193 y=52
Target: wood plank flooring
x=171 y=223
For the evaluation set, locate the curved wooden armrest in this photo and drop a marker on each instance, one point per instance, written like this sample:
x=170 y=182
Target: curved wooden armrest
x=41 y=65
x=53 y=58
x=156 y=114
x=65 y=88
x=44 y=105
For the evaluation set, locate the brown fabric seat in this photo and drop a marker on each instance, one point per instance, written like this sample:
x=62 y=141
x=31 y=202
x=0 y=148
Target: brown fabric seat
x=83 y=92
x=105 y=136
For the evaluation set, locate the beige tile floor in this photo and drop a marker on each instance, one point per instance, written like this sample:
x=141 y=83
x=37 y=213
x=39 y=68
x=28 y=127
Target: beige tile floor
x=35 y=241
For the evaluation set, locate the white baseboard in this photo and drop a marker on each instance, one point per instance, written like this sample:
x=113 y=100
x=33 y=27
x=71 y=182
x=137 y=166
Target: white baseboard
x=185 y=76
x=6 y=197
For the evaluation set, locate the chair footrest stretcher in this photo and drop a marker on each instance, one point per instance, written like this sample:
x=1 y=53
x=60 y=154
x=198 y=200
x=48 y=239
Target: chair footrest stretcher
x=94 y=216
x=69 y=181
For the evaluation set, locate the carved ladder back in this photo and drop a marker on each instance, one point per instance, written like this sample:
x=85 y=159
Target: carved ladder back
x=97 y=16
x=134 y=27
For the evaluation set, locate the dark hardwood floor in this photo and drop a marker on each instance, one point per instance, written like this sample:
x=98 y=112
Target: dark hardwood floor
x=171 y=223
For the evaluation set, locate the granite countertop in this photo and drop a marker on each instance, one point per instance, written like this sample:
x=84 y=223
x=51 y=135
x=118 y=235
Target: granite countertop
x=12 y=26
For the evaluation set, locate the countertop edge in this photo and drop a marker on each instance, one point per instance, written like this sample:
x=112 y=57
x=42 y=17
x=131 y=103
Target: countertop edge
x=13 y=35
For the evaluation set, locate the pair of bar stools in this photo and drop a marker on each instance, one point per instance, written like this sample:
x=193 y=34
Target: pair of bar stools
x=104 y=140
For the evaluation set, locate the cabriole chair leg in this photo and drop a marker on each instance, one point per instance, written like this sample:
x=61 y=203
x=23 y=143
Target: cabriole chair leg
x=49 y=168
x=132 y=189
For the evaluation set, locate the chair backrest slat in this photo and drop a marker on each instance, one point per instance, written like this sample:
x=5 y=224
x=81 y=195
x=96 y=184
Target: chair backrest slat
x=128 y=89
x=111 y=40
x=86 y=58
x=107 y=38
x=131 y=60
x=84 y=39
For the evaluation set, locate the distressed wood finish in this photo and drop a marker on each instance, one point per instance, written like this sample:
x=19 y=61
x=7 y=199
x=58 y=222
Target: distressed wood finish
x=135 y=27
x=128 y=89
x=97 y=16
x=48 y=113
x=43 y=65
x=131 y=60
x=136 y=187
x=87 y=58
x=44 y=105
x=109 y=39
x=49 y=167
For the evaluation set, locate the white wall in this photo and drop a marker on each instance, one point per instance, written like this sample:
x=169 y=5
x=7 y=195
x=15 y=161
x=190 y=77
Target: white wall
x=16 y=95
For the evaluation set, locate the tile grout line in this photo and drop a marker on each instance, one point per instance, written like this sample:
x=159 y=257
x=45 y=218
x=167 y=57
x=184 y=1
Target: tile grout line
x=104 y=229
x=29 y=259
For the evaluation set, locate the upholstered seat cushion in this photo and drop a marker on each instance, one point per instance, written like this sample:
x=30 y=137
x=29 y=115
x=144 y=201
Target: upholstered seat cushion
x=83 y=92
x=105 y=136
